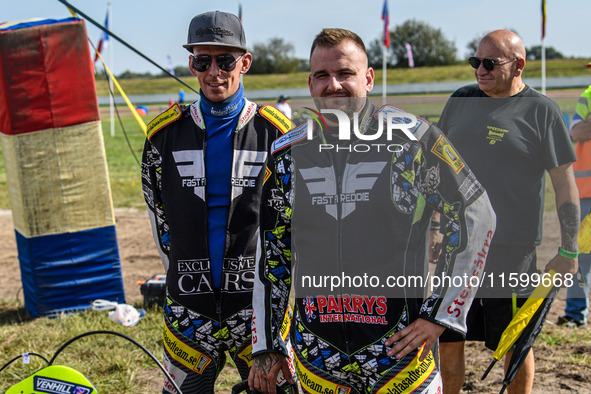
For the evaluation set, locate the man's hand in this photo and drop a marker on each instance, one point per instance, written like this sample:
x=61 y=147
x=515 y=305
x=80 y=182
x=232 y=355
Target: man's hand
x=419 y=332
x=435 y=238
x=581 y=131
x=435 y=241
x=264 y=371
x=562 y=265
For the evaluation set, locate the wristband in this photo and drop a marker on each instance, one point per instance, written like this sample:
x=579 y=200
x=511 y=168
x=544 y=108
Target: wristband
x=567 y=254
x=434 y=225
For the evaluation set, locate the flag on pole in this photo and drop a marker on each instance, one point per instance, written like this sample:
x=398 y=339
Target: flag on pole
x=103 y=39
x=386 y=19
x=411 y=60
x=170 y=66
x=543 y=19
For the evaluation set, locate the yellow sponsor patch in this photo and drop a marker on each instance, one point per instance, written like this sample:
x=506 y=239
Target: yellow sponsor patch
x=313 y=383
x=286 y=324
x=165 y=118
x=246 y=355
x=411 y=377
x=183 y=353
x=446 y=152
x=273 y=115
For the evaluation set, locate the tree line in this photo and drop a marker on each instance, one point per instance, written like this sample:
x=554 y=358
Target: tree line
x=430 y=47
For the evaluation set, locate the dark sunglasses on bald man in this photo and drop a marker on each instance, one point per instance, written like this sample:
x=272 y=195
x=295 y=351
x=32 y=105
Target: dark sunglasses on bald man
x=488 y=64
x=225 y=62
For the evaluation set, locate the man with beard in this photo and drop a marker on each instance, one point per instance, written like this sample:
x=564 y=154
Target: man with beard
x=349 y=195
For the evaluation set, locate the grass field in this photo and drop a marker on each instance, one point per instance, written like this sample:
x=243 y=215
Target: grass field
x=111 y=363
x=458 y=72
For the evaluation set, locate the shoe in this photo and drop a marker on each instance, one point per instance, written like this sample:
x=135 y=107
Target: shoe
x=567 y=321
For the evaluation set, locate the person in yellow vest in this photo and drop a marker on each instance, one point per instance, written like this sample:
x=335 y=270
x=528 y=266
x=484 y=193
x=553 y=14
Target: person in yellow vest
x=577 y=296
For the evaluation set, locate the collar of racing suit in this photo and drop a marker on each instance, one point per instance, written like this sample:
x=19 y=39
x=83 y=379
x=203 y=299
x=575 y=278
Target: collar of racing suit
x=230 y=106
x=332 y=132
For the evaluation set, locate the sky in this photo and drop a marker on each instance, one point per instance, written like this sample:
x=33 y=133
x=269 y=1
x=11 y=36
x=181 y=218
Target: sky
x=158 y=28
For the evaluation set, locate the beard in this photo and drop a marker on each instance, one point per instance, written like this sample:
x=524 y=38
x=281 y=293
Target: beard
x=348 y=105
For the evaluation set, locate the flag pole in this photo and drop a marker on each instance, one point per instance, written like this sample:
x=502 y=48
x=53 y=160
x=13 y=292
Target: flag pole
x=543 y=68
x=384 y=73
x=240 y=17
x=543 y=47
x=111 y=100
x=385 y=46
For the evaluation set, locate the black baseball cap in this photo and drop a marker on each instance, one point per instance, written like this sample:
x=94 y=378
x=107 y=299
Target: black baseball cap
x=216 y=28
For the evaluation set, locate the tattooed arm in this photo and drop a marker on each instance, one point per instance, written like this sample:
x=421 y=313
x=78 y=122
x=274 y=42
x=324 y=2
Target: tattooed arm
x=567 y=208
x=264 y=371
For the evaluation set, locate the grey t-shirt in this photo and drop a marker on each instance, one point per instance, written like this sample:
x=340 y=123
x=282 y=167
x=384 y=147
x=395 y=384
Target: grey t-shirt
x=509 y=143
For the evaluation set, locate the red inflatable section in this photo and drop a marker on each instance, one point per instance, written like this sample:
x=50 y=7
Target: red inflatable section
x=44 y=78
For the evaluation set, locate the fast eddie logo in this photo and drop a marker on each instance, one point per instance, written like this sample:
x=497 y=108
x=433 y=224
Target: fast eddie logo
x=346 y=308
x=357 y=182
x=395 y=119
x=191 y=170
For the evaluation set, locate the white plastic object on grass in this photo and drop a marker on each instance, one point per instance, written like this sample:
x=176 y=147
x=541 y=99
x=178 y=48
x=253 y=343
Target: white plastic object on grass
x=123 y=314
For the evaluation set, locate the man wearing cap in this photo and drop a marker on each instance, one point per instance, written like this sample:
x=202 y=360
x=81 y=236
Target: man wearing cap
x=577 y=296
x=203 y=168
x=283 y=106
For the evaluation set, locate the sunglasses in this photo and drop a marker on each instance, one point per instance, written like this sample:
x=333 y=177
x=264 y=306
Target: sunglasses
x=225 y=62
x=488 y=64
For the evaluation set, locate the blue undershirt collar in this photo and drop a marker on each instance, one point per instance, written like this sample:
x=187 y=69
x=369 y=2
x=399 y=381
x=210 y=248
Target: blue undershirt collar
x=227 y=108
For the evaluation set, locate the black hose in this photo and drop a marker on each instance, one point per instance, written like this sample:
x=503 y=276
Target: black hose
x=123 y=42
x=22 y=355
x=121 y=123
x=58 y=351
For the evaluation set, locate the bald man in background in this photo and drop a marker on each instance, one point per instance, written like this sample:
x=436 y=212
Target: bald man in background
x=509 y=135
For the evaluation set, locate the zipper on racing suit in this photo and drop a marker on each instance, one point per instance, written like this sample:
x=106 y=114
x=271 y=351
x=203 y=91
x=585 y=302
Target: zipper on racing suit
x=217 y=292
x=338 y=167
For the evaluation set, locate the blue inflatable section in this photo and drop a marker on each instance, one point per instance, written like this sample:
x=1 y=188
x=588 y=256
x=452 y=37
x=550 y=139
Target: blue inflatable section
x=66 y=272
x=31 y=23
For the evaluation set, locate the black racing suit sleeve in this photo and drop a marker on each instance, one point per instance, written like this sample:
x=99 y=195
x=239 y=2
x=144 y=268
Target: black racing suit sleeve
x=450 y=188
x=273 y=266
x=152 y=190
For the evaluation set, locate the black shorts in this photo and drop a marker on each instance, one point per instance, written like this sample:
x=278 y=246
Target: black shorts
x=489 y=315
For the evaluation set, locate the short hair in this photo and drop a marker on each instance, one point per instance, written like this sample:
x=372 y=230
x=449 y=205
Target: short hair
x=331 y=37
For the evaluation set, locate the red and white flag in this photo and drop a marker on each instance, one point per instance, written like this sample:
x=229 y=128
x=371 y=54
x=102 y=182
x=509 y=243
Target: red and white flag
x=104 y=38
x=386 y=19
x=411 y=60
